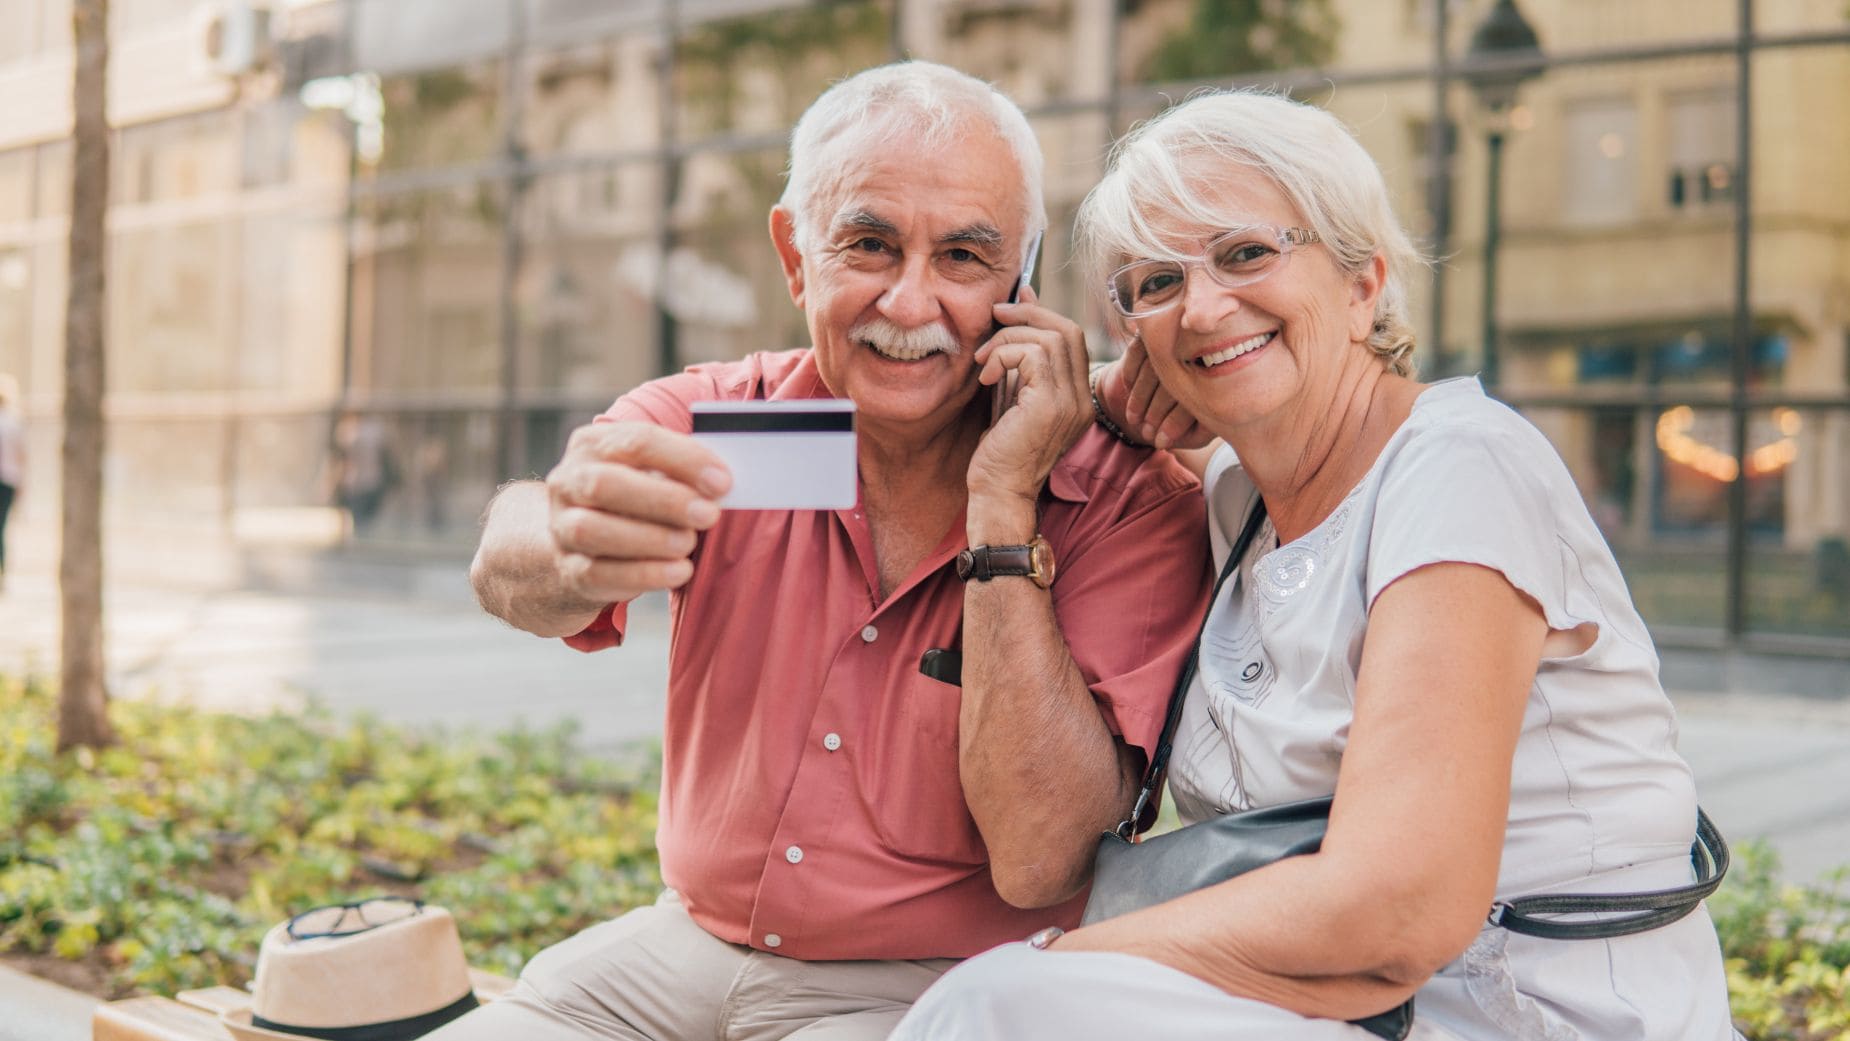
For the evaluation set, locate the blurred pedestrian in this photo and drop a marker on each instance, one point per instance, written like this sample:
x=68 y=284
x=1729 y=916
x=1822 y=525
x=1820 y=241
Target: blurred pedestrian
x=12 y=457
x=363 y=469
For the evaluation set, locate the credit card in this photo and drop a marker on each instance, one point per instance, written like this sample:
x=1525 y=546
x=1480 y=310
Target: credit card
x=784 y=455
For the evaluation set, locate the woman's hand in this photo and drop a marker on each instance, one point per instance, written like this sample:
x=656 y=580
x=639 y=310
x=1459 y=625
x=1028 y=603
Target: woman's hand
x=1131 y=395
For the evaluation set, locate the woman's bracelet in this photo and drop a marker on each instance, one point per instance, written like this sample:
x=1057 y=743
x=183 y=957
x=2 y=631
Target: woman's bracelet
x=1098 y=410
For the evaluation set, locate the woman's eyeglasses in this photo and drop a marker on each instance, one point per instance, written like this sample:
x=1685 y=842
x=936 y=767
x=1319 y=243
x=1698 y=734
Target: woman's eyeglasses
x=1235 y=258
x=357 y=917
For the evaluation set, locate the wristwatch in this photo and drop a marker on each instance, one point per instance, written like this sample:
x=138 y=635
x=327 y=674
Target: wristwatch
x=1033 y=561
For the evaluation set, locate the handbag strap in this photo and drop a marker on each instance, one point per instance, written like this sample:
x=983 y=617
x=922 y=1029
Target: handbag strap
x=1152 y=776
x=1655 y=908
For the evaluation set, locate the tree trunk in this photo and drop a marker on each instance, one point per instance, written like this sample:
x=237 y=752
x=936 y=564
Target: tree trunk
x=83 y=717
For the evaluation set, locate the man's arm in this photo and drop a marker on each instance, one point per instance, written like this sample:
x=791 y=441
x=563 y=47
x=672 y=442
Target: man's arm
x=618 y=516
x=1042 y=772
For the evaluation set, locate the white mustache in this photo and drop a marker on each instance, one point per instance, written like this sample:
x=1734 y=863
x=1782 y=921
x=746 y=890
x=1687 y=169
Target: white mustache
x=890 y=339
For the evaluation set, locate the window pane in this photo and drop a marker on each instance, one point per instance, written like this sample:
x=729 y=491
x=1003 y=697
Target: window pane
x=46 y=281
x=398 y=35
x=1648 y=481
x=181 y=158
x=1599 y=182
x=586 y=293
x=16 y=299
x=553 y=23
x=285 y=143
x=1780 y=16
x=756 y=74
x=1609 y=275
x=16 y=185
x=1798 y=461
x=1074 y=149
x=1567 y=27
x=998 y=41
x=432 y=474
x=278 y=464
x=54 y=197
x=427 y=290
x=166 y=470
x=290 y=286
x=439 y=117
x=172 y=298
x=722 y=283
x=594 y=97
x=1167 y=41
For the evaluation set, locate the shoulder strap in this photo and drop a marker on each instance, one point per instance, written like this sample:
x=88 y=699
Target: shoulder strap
x=1152 y=777
x=1647 y=910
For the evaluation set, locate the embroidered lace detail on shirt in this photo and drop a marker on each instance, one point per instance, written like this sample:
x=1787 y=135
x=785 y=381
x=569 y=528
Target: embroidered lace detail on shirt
x=1288 y=570
x=1493 y=989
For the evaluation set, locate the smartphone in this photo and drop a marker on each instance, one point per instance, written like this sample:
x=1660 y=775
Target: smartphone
x=1005 y=390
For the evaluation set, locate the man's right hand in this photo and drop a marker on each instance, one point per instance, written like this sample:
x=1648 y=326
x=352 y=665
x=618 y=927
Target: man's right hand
x=618 y=517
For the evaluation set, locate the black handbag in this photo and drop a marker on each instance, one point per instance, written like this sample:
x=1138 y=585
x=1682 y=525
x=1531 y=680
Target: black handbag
x=1128 y=875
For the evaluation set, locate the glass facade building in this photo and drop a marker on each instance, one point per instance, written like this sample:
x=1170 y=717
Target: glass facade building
x=438 y=234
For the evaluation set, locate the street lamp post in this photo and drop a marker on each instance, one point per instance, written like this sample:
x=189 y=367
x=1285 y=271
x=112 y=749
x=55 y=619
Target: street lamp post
x=1504 y=54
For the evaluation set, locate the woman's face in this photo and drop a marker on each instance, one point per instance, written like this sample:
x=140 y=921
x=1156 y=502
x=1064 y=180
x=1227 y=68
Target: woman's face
x=1270 y=349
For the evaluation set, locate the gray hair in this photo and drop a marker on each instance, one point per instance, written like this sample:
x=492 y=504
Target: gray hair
x=936 y=104
x=1158 y=173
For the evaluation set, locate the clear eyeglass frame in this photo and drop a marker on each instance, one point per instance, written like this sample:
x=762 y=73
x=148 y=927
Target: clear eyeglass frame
x=1282 y=241
x=354 y=917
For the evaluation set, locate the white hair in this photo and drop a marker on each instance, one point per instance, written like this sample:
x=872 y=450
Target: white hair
x=1161 y=179
x=934 y=104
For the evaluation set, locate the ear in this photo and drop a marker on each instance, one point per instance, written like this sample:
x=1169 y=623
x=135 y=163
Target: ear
x=784 y=237
x=1364 y=294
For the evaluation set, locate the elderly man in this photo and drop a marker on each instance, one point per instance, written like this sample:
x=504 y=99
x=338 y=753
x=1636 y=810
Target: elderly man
x=837 y=828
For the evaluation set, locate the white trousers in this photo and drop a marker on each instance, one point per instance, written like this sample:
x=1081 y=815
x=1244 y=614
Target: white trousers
x=655 y=975
x=1020 y=994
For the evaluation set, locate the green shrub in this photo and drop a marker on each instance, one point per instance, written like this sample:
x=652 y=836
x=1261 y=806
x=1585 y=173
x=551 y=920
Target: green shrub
x=164 y=859
x=1788 y=950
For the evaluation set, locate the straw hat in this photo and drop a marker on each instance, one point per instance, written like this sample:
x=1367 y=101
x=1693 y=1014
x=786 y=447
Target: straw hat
x=390 y=968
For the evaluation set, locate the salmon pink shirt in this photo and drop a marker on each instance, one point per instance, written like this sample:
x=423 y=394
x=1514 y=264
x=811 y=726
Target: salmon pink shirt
x=810 y=803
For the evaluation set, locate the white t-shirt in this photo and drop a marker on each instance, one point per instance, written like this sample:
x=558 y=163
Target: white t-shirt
x=1600 y=801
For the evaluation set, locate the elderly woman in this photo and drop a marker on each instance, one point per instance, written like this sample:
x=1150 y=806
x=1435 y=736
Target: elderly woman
x=1428 y=625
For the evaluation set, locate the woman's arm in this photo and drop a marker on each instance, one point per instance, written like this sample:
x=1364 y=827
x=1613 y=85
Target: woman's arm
x=1409 y=865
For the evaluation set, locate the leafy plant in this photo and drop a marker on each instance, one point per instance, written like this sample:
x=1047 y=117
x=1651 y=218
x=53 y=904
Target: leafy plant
x=1235 y=37
x=163 y=860
x=1788 y=950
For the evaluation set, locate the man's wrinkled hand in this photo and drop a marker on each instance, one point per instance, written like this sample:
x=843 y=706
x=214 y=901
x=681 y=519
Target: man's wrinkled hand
x=626 y=504
x=1052 y=408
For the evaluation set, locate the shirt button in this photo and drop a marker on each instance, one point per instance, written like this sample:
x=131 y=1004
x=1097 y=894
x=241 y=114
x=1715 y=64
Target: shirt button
x=794 y=854
x=773 y=940
x=869 y=634
x=831 y=741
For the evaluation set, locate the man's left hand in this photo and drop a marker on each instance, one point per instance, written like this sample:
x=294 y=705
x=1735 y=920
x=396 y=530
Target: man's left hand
x=1052 y=408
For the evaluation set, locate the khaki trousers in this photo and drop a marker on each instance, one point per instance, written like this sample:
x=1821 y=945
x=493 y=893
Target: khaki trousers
x=653 y=974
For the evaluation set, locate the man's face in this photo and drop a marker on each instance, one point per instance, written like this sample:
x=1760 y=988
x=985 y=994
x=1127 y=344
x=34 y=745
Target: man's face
x=911 y=251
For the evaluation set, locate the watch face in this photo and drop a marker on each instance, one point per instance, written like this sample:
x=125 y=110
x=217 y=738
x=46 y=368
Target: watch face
x=1042 y=556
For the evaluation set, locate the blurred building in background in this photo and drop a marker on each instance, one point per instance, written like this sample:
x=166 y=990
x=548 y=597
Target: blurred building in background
x=412 y=243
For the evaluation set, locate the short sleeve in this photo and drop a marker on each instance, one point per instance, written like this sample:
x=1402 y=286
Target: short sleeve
x=1470 y=494
x=1130 y=602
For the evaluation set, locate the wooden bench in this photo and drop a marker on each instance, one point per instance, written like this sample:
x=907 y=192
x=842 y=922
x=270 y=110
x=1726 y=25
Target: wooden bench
x=192 y=1015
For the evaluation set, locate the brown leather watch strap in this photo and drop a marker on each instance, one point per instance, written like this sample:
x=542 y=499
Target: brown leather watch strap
x=983 y=563
x=990 y=561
